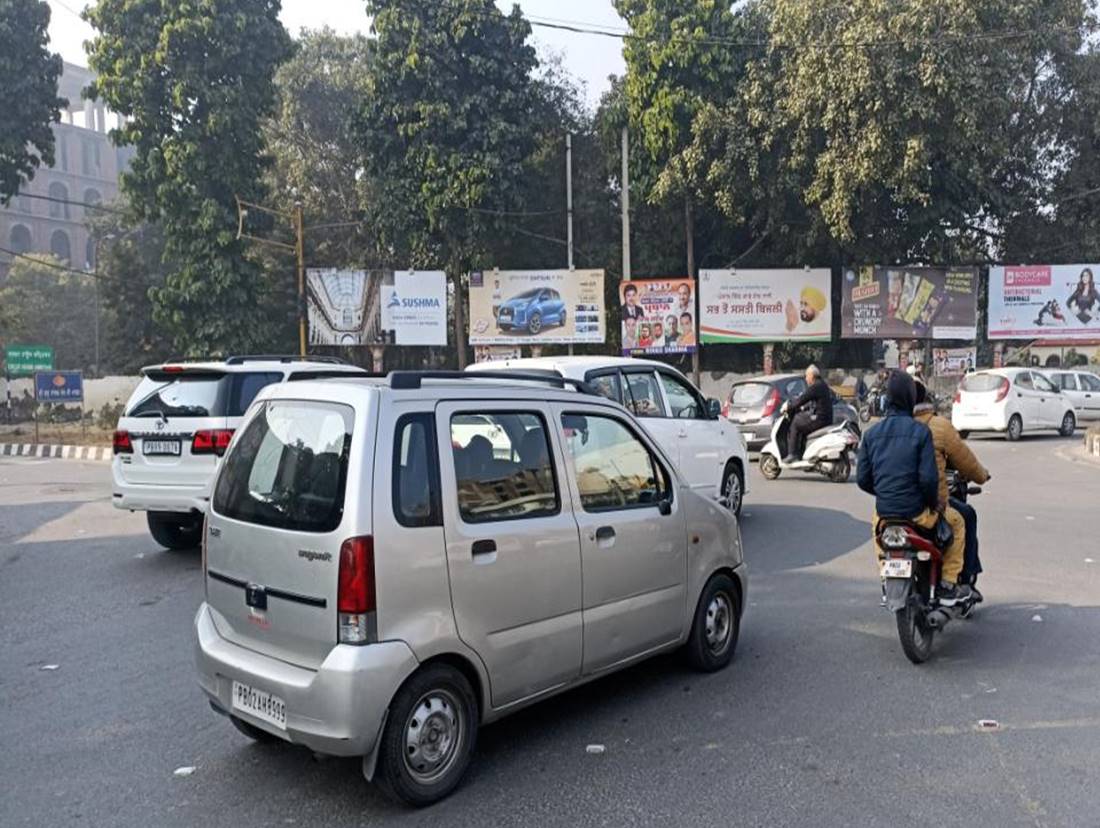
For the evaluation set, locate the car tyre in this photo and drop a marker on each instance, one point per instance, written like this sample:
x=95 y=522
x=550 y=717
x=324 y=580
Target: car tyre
x=254 y=733
x=1069 y=425
x=175 y=530
x=534 y=324
x=841 y=469
x=1015 y=428
x=733 y=488
x=429 y=738
x=716 y=625
x=769 y=467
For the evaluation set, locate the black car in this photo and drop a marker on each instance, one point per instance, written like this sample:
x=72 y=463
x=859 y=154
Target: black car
x=753 y=405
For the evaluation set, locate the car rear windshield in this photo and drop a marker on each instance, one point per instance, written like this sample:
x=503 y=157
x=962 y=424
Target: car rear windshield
x=198 y=395
x=982 y=382
x=288 y=469
x=749 y=393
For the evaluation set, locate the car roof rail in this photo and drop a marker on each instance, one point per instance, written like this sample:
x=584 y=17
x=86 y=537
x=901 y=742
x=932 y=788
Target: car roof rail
x=241 y=359
x=405 y=380
x=328 y=373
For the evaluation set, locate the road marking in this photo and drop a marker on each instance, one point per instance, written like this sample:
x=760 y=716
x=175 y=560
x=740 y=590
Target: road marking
x=1087 y=723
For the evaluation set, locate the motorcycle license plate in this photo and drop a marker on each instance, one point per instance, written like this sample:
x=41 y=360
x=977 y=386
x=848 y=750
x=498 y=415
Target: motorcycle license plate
x=896 y=568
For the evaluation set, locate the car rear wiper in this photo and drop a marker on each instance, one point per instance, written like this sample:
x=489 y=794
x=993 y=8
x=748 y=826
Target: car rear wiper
x=159 y=414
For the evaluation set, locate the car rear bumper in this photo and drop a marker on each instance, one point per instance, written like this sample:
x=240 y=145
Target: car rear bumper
x=979 y=421
x=337 y=709
x=756 y=434
x=148 y=498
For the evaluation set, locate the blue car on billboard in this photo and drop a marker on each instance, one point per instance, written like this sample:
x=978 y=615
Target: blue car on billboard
x=532 y=310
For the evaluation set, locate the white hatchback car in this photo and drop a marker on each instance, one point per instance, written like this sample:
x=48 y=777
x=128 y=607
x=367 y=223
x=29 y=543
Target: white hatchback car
x=1010 y=400
x=709 y=450
x=176 y=427
x=1082 y=389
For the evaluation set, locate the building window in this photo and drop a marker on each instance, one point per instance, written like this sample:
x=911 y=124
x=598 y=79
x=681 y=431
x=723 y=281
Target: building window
x=21 y=241
x=23 y=203
x=59 y=206
x=59 y=245
x=62 y=151
x=91 y=197
x=89 y=254
x=89 y=157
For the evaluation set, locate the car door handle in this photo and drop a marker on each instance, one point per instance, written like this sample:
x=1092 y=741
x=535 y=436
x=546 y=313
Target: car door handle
x=683 y=432
x=605 y=534
x=484 y=547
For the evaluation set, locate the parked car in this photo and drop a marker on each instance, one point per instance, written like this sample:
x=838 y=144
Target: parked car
x=532 y=310
x=708 y=451
x=753 y=406
x=376 y=588
x=176 y=427
x=1011 y=400
x=1082 y=389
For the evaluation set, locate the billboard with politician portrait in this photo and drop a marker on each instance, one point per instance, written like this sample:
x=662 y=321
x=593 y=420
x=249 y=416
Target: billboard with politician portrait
x=900 y=302
x=658 y=316
x=1049 y=301
x=766 y=305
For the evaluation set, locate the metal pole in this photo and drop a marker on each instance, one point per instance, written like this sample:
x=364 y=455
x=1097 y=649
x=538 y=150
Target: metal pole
x=300 y=250
x=689 y=230
x=569 y=206
x=626 y=206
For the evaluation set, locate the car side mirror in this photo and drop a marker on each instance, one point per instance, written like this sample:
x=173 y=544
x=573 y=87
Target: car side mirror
x=664 y=506
x=714 y=408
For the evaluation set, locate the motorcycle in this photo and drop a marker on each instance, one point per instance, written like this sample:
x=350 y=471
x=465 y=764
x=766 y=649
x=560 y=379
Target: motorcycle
x=828 y=450
x=910 y=571
x=871 y=404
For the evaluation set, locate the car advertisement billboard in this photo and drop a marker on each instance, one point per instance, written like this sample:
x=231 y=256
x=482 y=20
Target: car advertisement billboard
x=1050 y=301
x=658 y=316
x=898 y=302
x=765 y=305
x=536 y=307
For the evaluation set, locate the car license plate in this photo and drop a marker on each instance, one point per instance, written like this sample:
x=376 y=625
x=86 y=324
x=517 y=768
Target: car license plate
x=260 y=704
x=896 y=568
x=171 y=447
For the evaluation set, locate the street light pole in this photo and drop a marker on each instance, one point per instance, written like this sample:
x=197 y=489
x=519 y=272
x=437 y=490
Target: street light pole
x=300 y=251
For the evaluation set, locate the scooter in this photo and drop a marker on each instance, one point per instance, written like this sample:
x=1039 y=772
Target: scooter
x=910 y=571
x=828 y=450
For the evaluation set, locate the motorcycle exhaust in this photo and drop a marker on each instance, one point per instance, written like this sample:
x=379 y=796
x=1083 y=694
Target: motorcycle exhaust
x=937 y=619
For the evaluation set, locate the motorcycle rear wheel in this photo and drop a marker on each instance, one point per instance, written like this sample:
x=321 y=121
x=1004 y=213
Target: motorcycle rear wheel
x=915 y=635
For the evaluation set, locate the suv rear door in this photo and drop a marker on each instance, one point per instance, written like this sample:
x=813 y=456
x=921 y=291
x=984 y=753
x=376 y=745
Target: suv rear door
x=512 y=547
x=275 y=528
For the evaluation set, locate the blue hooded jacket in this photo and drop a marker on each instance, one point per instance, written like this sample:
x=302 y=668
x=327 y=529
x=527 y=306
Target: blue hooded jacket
x=897 y=460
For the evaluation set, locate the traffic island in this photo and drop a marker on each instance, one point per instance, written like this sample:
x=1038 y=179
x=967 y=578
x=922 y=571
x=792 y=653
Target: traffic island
x=1092 y=441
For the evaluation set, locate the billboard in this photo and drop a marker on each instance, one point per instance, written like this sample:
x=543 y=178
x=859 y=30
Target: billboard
x=658 y=316
x=765 y=305
x=536 y=307
x=1050 y=301
x=59 y=386
x=24 y=360
x=953 y=362
x=359 y=307
x=898 y=302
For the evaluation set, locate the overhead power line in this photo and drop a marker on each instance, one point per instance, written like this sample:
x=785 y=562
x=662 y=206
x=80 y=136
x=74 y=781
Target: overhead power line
x=85 y=204
x=89 y=274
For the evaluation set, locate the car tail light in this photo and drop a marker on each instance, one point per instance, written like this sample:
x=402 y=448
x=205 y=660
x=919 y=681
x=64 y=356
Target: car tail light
x=726 y=408
x=771 y=404
x=172 y=369
x=356 y=600
x=213 y=441
x=122 y=443
x=958 y=396
x=1002 y=392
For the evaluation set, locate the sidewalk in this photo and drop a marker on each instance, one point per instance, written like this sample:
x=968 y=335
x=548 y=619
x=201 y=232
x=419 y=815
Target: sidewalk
x=96 y=454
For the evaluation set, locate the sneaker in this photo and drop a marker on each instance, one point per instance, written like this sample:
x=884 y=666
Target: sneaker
x=950 y=594
x=977 y=596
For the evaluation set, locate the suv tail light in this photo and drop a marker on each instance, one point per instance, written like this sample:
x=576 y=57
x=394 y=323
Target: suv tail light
x=214 y=441
x=726 y=408
x=958 y=396
x=1002 y=392
x=355 y=594
x=121 y=443
x=771 y=404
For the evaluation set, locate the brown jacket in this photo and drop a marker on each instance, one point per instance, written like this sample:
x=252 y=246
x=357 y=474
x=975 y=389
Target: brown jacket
x=950 y=450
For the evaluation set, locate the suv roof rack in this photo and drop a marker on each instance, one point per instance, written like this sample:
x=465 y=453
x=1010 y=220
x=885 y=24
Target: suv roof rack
x=241 y=359
x=413 y=379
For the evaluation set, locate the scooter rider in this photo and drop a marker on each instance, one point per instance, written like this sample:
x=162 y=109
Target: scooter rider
x=897 y=464
x=952 y=452
x=817 y=400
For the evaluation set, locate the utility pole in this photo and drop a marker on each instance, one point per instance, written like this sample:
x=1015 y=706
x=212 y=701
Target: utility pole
x=569 y=207
x=689 y=231
x=626 y=205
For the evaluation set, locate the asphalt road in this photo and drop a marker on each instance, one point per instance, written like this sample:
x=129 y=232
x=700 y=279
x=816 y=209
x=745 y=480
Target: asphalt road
x=819 y=721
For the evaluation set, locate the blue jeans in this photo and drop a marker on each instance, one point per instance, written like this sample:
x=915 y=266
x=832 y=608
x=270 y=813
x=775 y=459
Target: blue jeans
x=971 y=564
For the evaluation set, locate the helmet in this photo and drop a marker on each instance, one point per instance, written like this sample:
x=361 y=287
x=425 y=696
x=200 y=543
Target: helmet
x=911 y=370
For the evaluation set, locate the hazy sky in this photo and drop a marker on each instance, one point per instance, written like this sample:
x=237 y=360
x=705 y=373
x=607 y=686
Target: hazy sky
x=591 y=58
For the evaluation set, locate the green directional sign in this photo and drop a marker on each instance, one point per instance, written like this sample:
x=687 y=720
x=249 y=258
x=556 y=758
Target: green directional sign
x=24 y=360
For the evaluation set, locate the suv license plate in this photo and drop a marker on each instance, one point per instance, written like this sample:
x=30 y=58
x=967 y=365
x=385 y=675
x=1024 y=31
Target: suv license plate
x=896 y=568
x=171 y=447
x=260 y=704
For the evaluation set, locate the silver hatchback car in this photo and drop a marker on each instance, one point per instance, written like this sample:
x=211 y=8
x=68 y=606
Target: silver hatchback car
x=391 y=563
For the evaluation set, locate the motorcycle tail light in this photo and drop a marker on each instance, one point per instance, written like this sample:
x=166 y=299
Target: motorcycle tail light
x=894 y=537
x=924 y=556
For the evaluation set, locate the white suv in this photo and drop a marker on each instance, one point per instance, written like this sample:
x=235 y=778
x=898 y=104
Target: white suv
x=709 y=450
x=389 y=565
x=176 y=427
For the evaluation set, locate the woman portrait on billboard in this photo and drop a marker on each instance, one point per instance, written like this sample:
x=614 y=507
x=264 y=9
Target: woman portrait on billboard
x=1085 y=297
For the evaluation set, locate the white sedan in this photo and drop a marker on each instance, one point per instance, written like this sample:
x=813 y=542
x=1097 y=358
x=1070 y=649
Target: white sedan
x=1011 y=400
x=1082 y=389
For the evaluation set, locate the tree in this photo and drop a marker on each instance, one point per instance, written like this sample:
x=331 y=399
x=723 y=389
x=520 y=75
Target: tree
x=194 y=82
x=53 y=306
x=446 y=128
x=28 y=93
